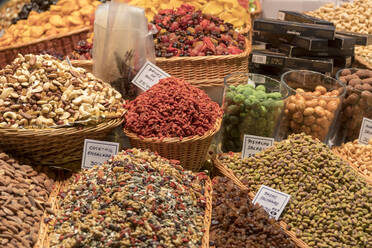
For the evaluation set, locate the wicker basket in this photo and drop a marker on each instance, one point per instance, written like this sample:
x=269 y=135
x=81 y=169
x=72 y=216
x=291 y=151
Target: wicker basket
x=364 y=62
x=44 y=241
x=198 y=69
x=53 y=147
x=230 y=174
x=62 y=44
x=190 y=151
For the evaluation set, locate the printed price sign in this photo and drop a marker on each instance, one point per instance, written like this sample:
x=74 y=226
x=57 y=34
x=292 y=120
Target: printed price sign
x=271 y=200
x=148 y=76
x=365 y=133
x=259 y=59
x=253 y=144
x=97 y=152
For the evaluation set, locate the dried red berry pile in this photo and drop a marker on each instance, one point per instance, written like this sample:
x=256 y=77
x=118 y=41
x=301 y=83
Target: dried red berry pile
x=172 y=108
x=83 y=51
x=187 y=32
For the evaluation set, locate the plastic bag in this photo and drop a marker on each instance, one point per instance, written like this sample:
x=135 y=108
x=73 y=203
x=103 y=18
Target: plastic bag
x=122 y=44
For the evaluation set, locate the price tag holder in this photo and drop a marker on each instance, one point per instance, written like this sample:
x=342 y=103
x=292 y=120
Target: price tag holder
x=148 y=76
x=365 y=133
x=97 y=152
x=259 y=59
x=253 y=144
x=273 y=201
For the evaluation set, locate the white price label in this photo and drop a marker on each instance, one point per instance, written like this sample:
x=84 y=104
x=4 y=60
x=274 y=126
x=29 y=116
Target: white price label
x=253 y=144
x=273 y=201
x=365 y=133
x=281 y=15
x=259 y=59
x=97 y=152
x=148 y=76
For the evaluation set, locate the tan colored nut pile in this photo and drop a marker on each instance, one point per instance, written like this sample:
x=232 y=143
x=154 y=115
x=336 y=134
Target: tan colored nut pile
x=359 y=155
x=38 y=91
x=354 y=17
x=365 y=52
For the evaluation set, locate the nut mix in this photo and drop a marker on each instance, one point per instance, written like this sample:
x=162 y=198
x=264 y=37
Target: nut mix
x=136 y=199
x=8 y=11
x=171 y=108
x=186 y=32
x=64 y=17
x=38 y=91
x=236 y=222
x=312 y=112
x=24 y=192
x=359 y=155
x=330 y=204
x=249 y=110
x=358 y=101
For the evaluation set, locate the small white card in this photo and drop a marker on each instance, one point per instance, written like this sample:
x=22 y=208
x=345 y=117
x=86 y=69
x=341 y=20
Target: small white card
x=365 y=133
x=97 y=152
x=148 y=76
x=281 y=15
x=273 y=201
x=253 y=144
x=259 y=59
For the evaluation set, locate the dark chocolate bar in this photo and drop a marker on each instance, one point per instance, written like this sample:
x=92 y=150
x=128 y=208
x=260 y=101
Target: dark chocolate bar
x=294 y=16
x=293 y=51
x=361 y=39
x=295 y=28
x=342 y=42
x=259 y=45
x=310 y=43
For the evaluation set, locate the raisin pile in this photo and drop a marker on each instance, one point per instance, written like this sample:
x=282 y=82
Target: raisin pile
x=83 y=51
x=187 y=32
x=35 y=5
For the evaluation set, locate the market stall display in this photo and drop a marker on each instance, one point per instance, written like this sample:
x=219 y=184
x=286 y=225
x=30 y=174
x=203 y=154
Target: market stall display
x=359 y=156
x=233 y=212
x=135 y=199
x=314 y=105
x=25 y=197
x=253 y=105
x=175 y=119
x=358 y=101
x=44 y=101
x=330 y=204
x=8 y=11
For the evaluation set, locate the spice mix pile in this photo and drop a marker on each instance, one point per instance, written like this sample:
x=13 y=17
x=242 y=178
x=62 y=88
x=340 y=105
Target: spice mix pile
x=237 y=223
x=24 y=194
x=172 y=108
x=330 y=204
x=38 y=91
x=136 y=199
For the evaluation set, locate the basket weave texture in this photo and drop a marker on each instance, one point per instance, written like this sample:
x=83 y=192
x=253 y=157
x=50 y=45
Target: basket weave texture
x=53 y=147
x=44 y=239
x=230 y=174
x=62 y=44
x=190 y=151
x=364 y=62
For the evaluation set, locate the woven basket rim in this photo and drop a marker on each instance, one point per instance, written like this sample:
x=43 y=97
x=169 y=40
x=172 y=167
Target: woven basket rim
x=364 y=62
x=49 y=38
x=227 y=172
x=211 y=132
x=60 y=131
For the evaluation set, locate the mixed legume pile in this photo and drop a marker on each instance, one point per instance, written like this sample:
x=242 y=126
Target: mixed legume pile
x=24 y=193
x=330 y=204
x=358 y=101
x=186 y=32
x=38 y=91
x=136 y=199
x=236 y=222
x=172 y=108
x=359 y=155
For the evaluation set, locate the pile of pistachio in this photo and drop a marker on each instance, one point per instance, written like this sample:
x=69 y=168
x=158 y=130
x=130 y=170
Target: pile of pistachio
x=330 y=204
x=38 y=91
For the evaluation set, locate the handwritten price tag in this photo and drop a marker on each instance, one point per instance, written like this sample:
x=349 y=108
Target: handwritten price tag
x=97 y=152
x=148 y=76
x=365 y=133
x=253 y=144
x=273 y=201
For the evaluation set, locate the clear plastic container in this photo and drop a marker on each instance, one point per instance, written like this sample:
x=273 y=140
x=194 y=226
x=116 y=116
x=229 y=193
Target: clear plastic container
x=313 y=105
x=253 y=104
x=357 y=103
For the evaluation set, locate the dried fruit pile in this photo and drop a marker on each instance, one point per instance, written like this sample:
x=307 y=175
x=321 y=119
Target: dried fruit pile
x=38 y=91
x=187 y=32
x=172 y=108
x=358 y=101
x=136 y=199
x=35 y=5
x=24 y=192
x=10 y=10
x=83 y=51
x=330 y=204
x=236 y=222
